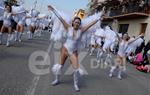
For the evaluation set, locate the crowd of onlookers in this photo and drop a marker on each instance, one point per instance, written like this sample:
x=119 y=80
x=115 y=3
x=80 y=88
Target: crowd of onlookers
x=141 y=57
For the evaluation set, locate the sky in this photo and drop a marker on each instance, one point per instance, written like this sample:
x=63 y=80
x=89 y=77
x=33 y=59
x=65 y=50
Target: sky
x=68 y=6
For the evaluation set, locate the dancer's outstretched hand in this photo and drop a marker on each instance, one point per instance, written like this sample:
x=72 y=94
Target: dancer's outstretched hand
x=50 y=7
x=142 y=34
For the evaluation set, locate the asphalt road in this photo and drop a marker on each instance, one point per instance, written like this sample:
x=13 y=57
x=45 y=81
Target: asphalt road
x=20 y=76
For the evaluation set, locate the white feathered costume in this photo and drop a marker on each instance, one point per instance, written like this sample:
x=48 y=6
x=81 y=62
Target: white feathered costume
x=110 y=37
x=59 y=31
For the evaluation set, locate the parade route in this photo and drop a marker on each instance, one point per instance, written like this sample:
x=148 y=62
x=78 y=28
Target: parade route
x=16 y=78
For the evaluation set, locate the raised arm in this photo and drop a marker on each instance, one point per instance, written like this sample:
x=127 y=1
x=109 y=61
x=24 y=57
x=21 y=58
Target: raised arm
x=65 y=24
x=2 y=8
x=98 y=17
x=85 y=28
x=18 y=13
x=131 y=41
x=119 y=38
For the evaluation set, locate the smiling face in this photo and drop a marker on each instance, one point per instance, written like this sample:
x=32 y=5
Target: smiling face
x=125 y=36
x=76 y=23
x=8 y=8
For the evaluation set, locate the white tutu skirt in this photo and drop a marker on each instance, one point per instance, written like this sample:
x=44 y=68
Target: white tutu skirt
x=7 y=23
x=99 y=41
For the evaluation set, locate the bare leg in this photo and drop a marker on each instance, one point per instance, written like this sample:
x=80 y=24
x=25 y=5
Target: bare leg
x=76 y=75
x=58 y=67
x=1 y=33
x=9 y=36
x=20 y=32
x=16 y=32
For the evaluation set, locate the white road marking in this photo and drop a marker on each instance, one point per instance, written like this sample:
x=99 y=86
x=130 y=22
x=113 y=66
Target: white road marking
x=32 y=88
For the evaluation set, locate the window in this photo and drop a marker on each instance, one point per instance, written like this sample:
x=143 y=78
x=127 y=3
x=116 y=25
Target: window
x=123 y=28
x=143 y=27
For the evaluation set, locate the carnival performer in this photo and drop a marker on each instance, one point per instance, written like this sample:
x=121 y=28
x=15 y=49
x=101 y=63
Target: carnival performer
x=133 y=46
x=92 y=43
x=69 y=48
x=1 y=14
x=100 y=35
x=109 y=39
x=120 y=61
x=7 y=23
x=20 y=22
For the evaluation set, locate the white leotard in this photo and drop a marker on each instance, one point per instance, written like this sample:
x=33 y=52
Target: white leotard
x=19 y=18
x=34 y=14
x=99 y=33
x=7 y=19
x=122 y=48
x=22 y=19
x=33 y=21
x=131 y=47
x=71 y=43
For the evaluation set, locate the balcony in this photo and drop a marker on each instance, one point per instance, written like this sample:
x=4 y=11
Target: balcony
x=132 y=11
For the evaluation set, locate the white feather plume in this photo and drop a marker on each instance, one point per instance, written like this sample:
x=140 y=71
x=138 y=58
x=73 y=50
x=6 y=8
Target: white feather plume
x=58 y=28
x=56 y=69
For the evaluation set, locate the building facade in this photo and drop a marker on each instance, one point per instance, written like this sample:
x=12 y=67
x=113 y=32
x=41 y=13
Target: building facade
x=133 y=16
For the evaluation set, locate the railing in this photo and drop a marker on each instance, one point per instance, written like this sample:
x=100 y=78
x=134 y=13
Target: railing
x=129 y=9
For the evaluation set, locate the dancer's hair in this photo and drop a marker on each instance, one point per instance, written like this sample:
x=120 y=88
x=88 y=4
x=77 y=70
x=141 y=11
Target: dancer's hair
x=75 y=19
x=9 y=7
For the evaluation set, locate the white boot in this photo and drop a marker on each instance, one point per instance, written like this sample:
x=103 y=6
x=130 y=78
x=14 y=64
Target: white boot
x=111 y=71
x=12 y=37
x=29 y=36
x=56 y=81
x=99 y=55
x=76 y=76
x=8 y=40
x=19 y=36
x=16 y=35
x=106 y=60
x=92 y=50
x=109 y=55
x=1 y=34
x=39 y=33
x=119 y=74
x=32 y=35
x=56 y=69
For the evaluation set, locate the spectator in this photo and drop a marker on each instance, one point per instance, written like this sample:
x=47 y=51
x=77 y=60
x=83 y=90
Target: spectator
x=146 y=49
x=141 y=5
x=141 y=45
x=146 y=66
x=138 y=59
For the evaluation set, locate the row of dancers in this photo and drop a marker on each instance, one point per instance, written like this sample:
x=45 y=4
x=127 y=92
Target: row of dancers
x=16 y=18
x=102 y=36
x=107 y=41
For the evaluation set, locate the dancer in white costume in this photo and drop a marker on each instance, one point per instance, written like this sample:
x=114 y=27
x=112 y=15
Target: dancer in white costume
x=1 y=14
x=120 y=61
x=110 y=37
x=92 y=43
x=99 y=34
x=39 y=26
x=20 y=23
x=7 y=23
x=31 y=21
x=69 y=49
